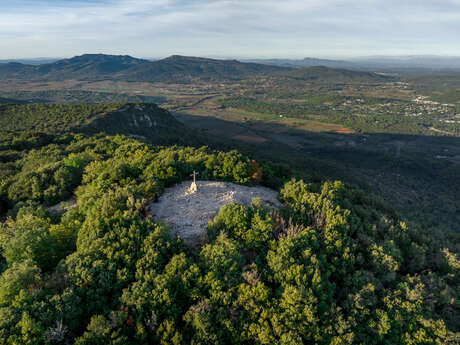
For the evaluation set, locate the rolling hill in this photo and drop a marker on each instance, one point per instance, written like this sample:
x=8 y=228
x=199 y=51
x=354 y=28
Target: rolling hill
x=306 y=62
x=411 y=63
x=102 y=67
x=32 y=61
x=141 y=120
x=88 y=66
x=184 y=68
x=74 y=97
x=336 y=75
x=11 y=100
x=174 y=69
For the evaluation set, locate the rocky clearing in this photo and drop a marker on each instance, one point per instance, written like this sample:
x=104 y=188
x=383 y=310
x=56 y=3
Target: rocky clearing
x=188 y=214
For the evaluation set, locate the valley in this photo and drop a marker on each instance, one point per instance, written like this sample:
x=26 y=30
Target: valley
x=396 y=135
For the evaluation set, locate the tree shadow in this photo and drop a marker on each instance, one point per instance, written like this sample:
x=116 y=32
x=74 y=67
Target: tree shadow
x=418 y=175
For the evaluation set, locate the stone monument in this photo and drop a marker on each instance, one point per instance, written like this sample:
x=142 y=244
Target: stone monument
x=193 y=188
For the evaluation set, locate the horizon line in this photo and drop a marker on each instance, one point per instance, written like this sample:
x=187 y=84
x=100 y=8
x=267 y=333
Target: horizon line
x=232 y=57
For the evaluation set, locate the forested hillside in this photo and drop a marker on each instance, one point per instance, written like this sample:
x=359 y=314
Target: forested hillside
x=88 y=66
x=73 y=97
x=144 y=121
x=100 y=67
x=335 y=75
x=332 y=266
x=183 y=68
x=11 y=101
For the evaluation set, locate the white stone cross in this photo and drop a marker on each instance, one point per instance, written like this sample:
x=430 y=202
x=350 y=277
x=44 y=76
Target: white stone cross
x=194 y=175
x=193 y=188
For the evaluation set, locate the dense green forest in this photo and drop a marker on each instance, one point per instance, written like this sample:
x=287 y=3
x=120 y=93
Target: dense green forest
x=73 y=97
x=332 y=266
x=47 y=118
x=143 y=120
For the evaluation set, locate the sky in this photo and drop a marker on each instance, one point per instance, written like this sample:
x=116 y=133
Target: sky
x=229 y=28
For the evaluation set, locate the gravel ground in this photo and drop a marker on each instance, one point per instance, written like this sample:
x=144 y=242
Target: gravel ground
x=188 y=214
x=63 y=206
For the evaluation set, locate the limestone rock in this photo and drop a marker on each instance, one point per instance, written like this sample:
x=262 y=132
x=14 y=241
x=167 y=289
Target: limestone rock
x=188 y=213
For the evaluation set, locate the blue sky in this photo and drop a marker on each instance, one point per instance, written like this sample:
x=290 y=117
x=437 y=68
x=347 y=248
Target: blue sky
x=229 y=28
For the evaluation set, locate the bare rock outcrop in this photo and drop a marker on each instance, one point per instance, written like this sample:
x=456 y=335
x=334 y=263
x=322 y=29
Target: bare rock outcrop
x=188 y=213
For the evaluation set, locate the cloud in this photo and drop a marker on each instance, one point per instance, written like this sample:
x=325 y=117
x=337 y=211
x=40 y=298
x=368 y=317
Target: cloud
x=228 y=27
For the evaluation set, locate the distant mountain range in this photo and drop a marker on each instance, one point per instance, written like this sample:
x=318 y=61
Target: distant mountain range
x=326 y=74
x=307 y=62
x=12 y=101
x=100 y=67
x=87 y=67
x=186 y=69
x=374 y=63
x=180 y=68
x=411 y=62
x=177 y=69
x=35 y=61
